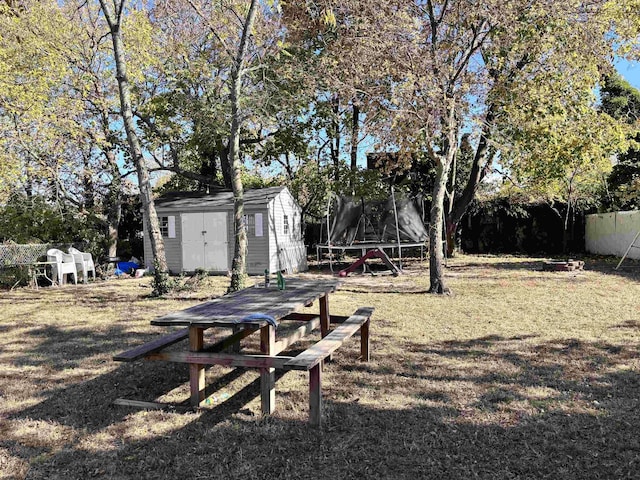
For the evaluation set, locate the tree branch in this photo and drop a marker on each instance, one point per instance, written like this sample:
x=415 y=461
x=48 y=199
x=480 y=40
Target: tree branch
x=204 y=179
x=211 y=28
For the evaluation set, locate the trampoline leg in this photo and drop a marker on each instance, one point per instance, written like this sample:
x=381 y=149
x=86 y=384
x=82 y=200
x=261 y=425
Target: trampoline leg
x=330 y=260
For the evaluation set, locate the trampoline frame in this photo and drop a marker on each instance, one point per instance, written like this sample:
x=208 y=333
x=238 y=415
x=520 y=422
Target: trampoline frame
x=364 y=247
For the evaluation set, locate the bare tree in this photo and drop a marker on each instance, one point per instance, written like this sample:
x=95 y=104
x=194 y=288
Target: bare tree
x=113 y=13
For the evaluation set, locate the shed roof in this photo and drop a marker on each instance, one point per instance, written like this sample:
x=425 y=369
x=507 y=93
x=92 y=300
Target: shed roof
x=220 y=198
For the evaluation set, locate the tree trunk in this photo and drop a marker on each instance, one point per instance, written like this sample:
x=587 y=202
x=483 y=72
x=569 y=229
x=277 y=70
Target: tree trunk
x=114 y=19
x=355 y=133
x=565 y=230
x=88 y=187
x=451 y=230
x=444 y=162
x=450 y=197
x=436 y=257
x=225 y=163
x=483 y=156
x=479 y=168
x=287 y=166
x=208 y=169
x=239 y=264
x=114 y=207
x=28 y=182
x=335 y=139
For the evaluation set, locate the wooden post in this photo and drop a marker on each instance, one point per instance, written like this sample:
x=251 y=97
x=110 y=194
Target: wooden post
x=196 y=372
x=315 y=396
x=325 y=319
x=364 y=341
x=268 y=375
x=235 y=348
x=324 y=315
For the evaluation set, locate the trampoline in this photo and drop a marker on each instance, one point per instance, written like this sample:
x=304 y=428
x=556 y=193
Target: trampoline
x=359 y=225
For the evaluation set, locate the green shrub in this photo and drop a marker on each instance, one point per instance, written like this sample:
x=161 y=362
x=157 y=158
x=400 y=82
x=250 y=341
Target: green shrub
x=161 y=283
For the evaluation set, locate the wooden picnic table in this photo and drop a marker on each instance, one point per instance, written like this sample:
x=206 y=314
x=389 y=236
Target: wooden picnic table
x=273 y=307
x=230 y=310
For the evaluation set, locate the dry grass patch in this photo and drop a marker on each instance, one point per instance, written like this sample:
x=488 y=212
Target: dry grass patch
x=520 y=374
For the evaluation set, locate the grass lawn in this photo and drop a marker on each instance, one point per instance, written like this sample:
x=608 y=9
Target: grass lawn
x=519 y=374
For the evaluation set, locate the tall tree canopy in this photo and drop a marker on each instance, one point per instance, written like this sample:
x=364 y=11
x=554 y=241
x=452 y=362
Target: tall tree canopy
x=57 y=101
x=507 y=73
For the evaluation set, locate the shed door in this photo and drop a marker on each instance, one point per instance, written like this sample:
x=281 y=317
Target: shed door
x=204 y=241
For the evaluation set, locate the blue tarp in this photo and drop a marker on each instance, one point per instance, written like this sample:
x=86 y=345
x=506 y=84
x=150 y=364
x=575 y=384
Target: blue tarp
x=126 y=267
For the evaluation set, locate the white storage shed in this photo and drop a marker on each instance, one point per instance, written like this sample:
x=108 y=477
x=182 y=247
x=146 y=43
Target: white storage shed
x=198 y=231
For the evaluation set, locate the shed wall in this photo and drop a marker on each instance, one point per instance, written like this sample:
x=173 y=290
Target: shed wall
x=172 y=246
x=286 y=250
x=257 y=247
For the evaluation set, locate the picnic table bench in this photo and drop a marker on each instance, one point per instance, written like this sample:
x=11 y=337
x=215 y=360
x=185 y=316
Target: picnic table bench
x=280 y=305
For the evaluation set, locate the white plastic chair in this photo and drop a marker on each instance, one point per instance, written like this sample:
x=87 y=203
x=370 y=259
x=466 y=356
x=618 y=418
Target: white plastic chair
x=63 y=264
x=84 y=263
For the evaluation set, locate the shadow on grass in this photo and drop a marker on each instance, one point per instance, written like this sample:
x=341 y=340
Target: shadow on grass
x=606 y=265
x=629 y=269
x=394 y=291
x=89 y=406
x=61 y=348
x=628 y=324
x=64 y=348
x=97 y=295
x=566 y=365
x=472 y=410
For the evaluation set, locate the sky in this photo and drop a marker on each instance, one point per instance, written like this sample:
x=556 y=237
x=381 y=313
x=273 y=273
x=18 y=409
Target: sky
x=630 y=71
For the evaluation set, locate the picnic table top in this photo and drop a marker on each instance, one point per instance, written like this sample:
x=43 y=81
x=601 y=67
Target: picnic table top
x=229 y=309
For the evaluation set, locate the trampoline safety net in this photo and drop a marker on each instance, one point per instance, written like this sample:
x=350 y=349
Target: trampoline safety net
x=357 y=220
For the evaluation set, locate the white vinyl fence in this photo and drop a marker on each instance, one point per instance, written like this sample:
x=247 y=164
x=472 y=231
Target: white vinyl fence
x=611 y=233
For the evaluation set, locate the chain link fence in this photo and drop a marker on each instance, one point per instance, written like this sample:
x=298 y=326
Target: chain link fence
x=15 y=261
x=13 y=254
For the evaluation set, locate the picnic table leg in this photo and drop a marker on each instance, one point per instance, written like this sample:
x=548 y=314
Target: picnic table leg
x=325 y=319
x=324 y=315
x=267 y=375
x=364 y=341
x=235 y=348
x=315 y=395
x=196 y=371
